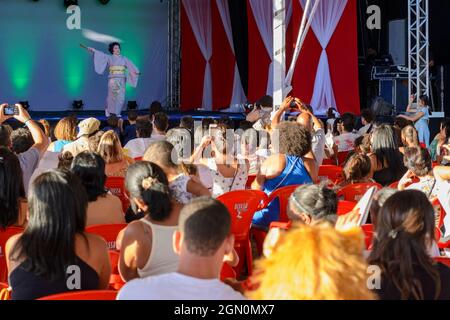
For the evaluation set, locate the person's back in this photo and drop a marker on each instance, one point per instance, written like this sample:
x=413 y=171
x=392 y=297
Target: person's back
x=106 y=209
x=43 y=260
x=202 y=241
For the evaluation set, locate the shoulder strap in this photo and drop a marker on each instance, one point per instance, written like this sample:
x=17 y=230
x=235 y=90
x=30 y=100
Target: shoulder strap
x=287 y=175
x=234 y=177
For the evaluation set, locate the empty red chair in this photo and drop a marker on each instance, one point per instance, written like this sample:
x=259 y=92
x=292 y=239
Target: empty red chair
x=368 y=232
x=332 y=173
x=116 y=185
x=109 y=232
x=345 y=207
x=355 y=192
x=242 y=206
x=115 y=281
x=4 y=236
x=95 y=295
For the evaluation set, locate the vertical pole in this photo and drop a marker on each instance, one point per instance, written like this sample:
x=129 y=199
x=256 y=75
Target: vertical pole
x=279 y=51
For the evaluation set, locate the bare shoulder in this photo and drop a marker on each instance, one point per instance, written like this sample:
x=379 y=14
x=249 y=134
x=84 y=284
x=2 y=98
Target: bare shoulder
x=273 y=166
x=11 y=243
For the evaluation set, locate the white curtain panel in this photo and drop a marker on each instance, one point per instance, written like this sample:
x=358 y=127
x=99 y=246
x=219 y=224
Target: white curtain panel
x=238 y=96
x=263 y=13
x=199 y=15
x=324 y=23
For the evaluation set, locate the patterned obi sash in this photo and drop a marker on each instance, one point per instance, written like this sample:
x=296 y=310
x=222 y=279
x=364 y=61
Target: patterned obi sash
x=117 y=70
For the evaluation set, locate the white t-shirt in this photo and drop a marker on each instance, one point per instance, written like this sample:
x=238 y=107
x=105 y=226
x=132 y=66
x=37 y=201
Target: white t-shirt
x=345 y=141
x=176 y=286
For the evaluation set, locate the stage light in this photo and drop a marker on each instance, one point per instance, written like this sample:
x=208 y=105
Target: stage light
x=25 y=105
x=68 y=3
x=77 y=105
x=132 y=105
x=104 y=1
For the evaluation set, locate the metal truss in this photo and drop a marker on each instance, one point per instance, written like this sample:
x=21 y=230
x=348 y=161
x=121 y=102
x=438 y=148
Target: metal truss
x=174 y=55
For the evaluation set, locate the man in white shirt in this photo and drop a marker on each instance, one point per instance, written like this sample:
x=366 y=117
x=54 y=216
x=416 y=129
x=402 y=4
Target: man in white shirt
x=346 y=140
x=160 y=126
x=367 y=118
x=137 y=147
x=203 y=240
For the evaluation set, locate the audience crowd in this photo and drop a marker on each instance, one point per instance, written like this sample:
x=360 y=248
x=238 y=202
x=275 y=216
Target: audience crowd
x=177 y=237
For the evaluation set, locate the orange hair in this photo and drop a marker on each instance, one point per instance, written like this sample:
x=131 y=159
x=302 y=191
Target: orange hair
x=66 y=129
x=314 y=263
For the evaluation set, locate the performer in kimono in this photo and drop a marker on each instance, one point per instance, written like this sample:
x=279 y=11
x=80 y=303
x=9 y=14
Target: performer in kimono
x=118 y=76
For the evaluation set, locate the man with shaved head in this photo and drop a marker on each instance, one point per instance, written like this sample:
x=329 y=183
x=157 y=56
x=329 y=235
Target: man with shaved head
x=310 y=122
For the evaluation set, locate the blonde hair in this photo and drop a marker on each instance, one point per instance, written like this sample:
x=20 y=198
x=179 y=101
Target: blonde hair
x=110 y=148
x=314 y=263
x=66 y=129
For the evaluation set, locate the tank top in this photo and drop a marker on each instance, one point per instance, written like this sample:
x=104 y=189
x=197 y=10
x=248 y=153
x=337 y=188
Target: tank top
x=59 y=145
x=162 y=258
x=294 y=173
x=29 y=286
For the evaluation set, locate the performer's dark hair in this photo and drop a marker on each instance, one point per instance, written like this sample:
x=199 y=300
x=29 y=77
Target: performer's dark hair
x=112 y=45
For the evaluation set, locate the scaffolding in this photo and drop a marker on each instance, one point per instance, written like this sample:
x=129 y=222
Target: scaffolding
x=418 y=47
x=174 y=56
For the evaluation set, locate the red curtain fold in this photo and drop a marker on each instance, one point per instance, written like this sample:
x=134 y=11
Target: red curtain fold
x=222 y=63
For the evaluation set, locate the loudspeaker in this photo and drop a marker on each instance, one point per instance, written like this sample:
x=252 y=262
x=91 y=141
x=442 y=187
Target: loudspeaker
x=382 y=108
x=397 y=41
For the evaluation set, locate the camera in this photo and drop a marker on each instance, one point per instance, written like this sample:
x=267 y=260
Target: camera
x=11 y=110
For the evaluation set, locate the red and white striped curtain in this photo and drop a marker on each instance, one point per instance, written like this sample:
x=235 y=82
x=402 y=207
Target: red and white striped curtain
x=209 y=22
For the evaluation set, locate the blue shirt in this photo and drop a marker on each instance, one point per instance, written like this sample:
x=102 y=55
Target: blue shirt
x=293 y=173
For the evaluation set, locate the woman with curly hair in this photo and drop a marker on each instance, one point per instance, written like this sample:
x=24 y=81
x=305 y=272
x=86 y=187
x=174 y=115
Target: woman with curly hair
x=290 y=164
x=356 y=170
x=327 y=265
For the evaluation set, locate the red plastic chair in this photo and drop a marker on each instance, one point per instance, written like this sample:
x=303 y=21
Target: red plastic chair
x=342 y=157
x=4 y=236
x=282 y=195
x=115 y=281
x=345 y=207
x=138 y=159
x=227 y=272
x=250 y=180
x=281 y=225
x=332 y=173
x=242 y=206
x=355 y=192
x=329 y=162
x=369 y=232
x=95 y=295
x=443 y=260
x=109 y=232
x=440 y=213
x=116 y=185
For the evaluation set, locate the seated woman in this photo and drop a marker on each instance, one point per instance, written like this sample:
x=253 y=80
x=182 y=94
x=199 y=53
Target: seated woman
x=421 y=118
x=311 y=203
x=65 y=133
x=13 y=203
x=387 y=160
x=146 y=245
x=41 y=260
x=103 y=208
x=418 y=162
x=228 y=172
x=410 y=138
x=111 y=151
x=184 y=188
x=287 y=166
x=356 y=170
x=405 y=235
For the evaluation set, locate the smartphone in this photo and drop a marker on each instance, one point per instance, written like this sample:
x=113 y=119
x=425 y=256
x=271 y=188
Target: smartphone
x=11 y=110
